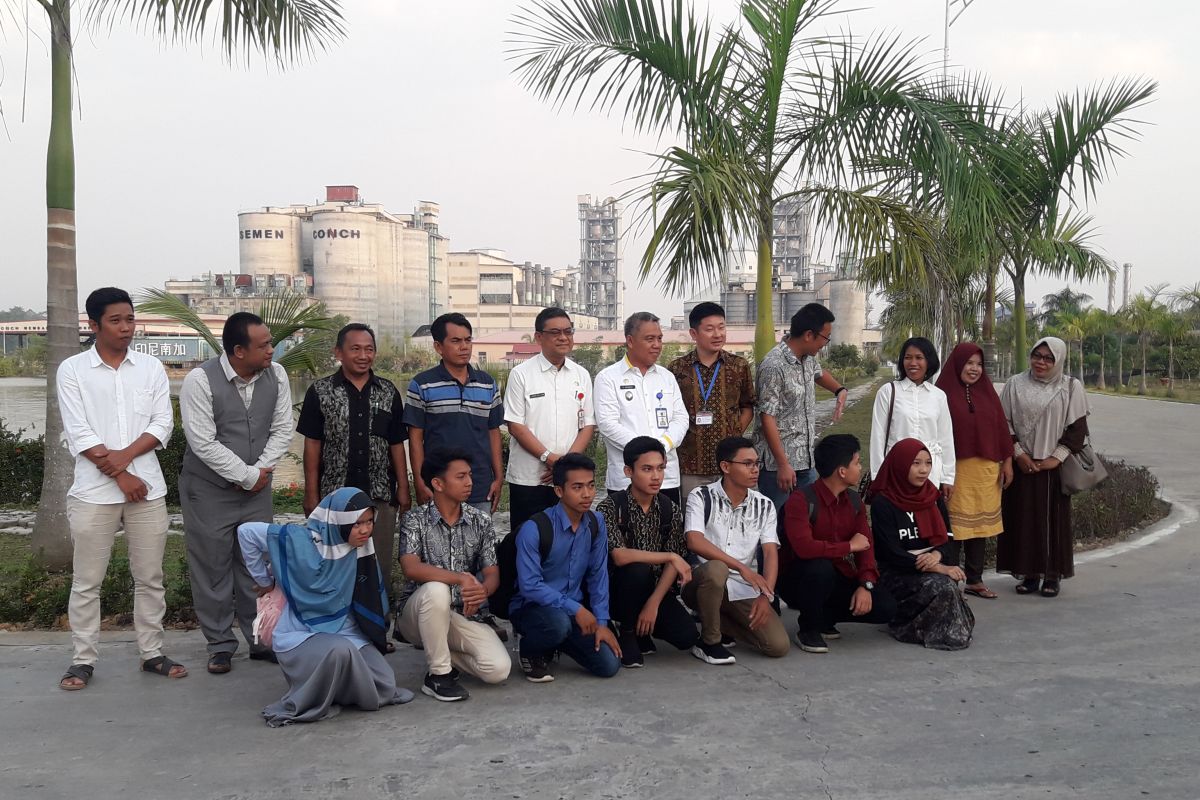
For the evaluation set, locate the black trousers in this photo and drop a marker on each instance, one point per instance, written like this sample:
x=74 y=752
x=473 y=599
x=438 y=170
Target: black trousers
x=822 y=596
x=525 y=501
x=673 y=493
x=630 y=587
x=973 y=550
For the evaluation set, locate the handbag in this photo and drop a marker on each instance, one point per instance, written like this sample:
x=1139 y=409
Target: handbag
x=864 y=484
x=1083 y=470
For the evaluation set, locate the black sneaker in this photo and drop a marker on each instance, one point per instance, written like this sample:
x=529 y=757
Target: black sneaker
x=536 y=669
x=831 y=632
x=264 y=654
x=713 y=654
x=444 y=687
x=728 y=642
x=631 y=652
x=811 y=642
x=646 y=645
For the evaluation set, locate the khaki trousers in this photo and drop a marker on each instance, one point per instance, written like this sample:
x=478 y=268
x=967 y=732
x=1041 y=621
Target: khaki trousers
x=94 y=528
x=449 y=638
x=719 y=615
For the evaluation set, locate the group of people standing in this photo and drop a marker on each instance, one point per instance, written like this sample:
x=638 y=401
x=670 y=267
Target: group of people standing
x=688 y=530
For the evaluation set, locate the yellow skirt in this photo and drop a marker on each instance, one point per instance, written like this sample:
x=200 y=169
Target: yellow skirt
x=975 y=505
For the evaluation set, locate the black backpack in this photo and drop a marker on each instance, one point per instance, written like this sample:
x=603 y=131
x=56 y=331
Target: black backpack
x=666 y=513
x=506 y=558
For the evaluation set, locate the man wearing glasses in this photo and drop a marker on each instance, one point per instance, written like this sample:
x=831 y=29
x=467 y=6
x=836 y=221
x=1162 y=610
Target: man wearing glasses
x=786 y=384
x=728 y=524
x=548 y=408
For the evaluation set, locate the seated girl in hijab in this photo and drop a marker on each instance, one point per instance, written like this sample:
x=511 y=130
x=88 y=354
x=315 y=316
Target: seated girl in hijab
x=912 y=535
x=331 y=635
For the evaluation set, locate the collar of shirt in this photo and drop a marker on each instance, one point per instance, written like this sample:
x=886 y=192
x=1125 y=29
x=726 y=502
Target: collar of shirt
x=545 y=366
x=789 y=356
x=339 y=379
x=693 y=357
x=435 y=515
x=909 y=386
x=719 y=488
x=629 y=367
x=473 y=375
x=94 y=359
x=230 y=374
x=561 y=522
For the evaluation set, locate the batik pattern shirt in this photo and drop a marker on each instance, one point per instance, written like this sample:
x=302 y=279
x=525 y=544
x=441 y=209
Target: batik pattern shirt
x=644 y=528
x=786 y=392
x=468 y=545
x=732 y=393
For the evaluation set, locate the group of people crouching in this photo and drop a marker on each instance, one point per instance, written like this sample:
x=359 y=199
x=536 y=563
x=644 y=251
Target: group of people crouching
x=600 y=586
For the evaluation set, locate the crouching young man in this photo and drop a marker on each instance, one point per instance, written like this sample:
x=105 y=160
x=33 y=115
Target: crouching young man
x=444 y=544
x=550 y=609
x=727 y=523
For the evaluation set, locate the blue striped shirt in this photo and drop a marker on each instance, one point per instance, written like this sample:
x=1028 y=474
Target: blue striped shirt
x=461 y=415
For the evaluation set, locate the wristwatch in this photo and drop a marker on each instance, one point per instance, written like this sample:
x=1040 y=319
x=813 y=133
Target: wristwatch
x=869 y=585
x=544 y=457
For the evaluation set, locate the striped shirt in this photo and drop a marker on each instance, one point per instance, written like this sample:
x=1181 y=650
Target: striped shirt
x=460 y=415
x=736 y=531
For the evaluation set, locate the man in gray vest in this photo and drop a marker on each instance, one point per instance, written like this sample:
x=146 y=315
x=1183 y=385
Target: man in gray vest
x=237 y=416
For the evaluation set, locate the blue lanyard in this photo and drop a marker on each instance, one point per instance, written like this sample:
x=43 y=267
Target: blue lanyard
x=705 y=393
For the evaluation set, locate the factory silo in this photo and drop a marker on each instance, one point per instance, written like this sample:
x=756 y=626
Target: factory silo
x=269 y=243
x=848 y=303
x=345 y=271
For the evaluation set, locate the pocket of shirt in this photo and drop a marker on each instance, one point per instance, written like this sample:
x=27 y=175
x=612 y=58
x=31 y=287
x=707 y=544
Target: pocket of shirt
x=381 y=423
x=143 y=403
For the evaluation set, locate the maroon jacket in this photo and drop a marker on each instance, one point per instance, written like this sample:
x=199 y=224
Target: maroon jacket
x=837 y=522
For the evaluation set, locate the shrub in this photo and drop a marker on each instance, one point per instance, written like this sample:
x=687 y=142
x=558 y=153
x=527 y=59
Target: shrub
x=1117 y=505
x=21 y=463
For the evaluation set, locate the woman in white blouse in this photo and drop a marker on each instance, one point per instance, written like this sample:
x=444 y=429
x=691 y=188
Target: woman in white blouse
x=912 y=407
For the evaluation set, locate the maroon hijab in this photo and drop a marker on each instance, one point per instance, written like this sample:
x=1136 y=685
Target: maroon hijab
x=980 y=428
x=892 y=482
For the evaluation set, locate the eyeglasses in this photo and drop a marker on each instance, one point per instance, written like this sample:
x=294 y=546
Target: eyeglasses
x=555 y=333
x=1049 y=359
x=823 y=336
x=752 y=465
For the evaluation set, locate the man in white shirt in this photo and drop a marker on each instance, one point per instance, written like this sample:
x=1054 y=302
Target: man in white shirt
x=727 y=524
x=116 y=411
x=237 y=416
x=638 y=397
x=549 y=411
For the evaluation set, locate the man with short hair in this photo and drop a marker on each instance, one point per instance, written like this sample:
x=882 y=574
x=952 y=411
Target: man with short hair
x=549 y=609
x=829 y=574
x=548 y=408
x=444 y=545
x=638 y=397
x=728 y=524
x=718 y=392
x=787 y=417
x=646 y=545
x=456 y=405
x=237 y=416
x=353 y=427
x=116 y=411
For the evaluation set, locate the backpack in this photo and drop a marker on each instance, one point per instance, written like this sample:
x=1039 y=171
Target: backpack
x=506 y=558
x=810 y=496
x=666 y=512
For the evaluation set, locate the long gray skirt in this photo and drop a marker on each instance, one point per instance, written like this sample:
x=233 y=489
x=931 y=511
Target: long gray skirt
x=327 y=672
x=930 y=610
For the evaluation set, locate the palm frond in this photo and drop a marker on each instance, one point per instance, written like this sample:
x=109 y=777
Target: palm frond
x=287 y=313
x=307 y=354
x=1066 y=250
x=159 y=302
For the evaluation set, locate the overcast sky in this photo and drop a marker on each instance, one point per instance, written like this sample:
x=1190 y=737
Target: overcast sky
x=419 y=104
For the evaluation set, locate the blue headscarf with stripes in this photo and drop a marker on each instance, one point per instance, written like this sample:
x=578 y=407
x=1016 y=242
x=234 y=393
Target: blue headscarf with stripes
x=324 y=577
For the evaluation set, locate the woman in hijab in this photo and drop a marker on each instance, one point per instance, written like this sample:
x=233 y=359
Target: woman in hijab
x=1047 y=417
x=983 y=451
x=912 y=538
x=331 y=635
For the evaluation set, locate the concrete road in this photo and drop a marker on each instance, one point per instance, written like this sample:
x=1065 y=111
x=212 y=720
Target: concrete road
x=1090 y=695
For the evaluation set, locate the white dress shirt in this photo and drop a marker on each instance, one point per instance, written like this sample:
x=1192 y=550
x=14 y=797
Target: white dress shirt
x=921 y=413
x=735 y=531
x=554 y=403
x=627 y=406
x=196 y=410
x=113 y=407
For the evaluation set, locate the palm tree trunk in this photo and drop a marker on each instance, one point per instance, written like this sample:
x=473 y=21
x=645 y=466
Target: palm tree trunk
x=1120 y=361
x=1171 y=367
x=764 y=324
x=1081 y=360
x=989 y=321
x=51 y=541
x=1020 y=339
x=1142 y=338
x=1103 y=343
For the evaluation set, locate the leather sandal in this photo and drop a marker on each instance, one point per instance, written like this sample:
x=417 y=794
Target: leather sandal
x=161 y=665
x=80 y=672
x=980 y=590
x=1029 y=586
x=1050 y=588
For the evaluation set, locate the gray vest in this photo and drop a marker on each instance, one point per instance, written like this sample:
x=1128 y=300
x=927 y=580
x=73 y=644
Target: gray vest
x=243 y=430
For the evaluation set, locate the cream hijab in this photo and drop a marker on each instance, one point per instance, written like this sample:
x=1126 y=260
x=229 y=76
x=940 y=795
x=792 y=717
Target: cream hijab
x=1040 y=409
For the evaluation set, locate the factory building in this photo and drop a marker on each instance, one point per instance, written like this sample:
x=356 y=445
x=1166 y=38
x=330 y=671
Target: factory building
x=600 y=260
x=497 y=294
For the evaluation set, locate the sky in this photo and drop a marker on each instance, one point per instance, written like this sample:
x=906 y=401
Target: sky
x=420 y=103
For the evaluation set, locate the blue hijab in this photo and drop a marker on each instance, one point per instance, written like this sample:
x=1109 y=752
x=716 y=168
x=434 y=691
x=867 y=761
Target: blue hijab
x=323 y=576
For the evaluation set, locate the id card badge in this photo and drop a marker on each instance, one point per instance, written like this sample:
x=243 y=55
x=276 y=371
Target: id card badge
x=580 y=426
x=664 y=421
x=704 y=418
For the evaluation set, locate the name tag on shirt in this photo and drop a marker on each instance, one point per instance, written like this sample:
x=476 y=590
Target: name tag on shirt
x=539 y=394
x=660 y=414
x=704 y=418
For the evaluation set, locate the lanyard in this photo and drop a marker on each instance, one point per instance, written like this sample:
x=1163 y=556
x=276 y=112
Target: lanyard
x=706 y=393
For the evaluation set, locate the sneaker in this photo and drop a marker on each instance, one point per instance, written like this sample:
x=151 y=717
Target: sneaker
x=631 y=653
x=536 y=670
x=444 y=687
x=728 y=642
x=646 y=645
x=811 y=642
x=831 y=633
x=713 y=654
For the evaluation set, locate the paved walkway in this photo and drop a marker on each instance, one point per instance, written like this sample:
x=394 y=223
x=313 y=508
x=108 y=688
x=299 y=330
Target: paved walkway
x=1092 y=695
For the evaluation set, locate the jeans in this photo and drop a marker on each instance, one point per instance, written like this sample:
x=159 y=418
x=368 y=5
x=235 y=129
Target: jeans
x=768 y=484
x=822 y=595
x=630 y=587
x=545 y=629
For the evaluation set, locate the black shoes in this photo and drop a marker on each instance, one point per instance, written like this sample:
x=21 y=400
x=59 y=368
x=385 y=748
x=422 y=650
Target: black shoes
x=832 y=632
x=713 y=654
x=811 y=642
x=536 y=669
x=264 y=655
x=645 y=645
x=444 y=687
x=631 y=651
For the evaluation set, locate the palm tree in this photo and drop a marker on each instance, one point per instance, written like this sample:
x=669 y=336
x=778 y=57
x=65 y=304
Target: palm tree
x=766 y=112
x=284 y=30
x=1074 y=328
x=1098 y=322
x=1143 y=314
x=1172 y=327
x=1064 y=301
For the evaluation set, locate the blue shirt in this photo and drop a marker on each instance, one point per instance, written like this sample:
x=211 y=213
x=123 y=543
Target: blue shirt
x=575 y=555
x=290 y=632
x=459 y=415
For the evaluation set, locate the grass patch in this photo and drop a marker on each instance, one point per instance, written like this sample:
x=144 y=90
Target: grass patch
x=1184 y=391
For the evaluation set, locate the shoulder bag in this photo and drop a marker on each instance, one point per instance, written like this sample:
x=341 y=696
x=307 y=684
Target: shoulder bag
x=1083 y=470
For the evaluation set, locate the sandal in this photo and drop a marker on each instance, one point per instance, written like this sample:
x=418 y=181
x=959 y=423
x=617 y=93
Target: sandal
x=1050 y=589
x=79 y=672
x=1029 y=586
x=161 y=665
x=980 y=590
x=220 y=663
